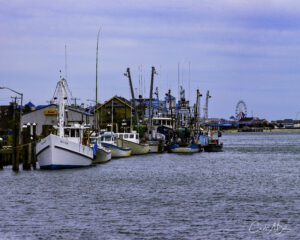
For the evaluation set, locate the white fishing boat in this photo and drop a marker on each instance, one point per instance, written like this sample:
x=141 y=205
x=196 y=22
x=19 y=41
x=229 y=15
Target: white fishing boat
x=58 y=151
x=109 y=141
x=156 y=141
x=103 y=154
x=132 y=141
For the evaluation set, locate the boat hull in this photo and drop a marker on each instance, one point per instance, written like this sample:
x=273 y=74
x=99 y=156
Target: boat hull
x=102 y=156
x=156 y=147
x=191 y=148
x=213 y=147
x=54 y=152
x=136 y=149
x=117 y=152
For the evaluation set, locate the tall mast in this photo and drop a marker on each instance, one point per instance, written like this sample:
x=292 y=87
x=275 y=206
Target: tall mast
x=197 y=110
x=132 y=94
x=178 y=81
x=95 y=112
x=150 y=99
x=66 y=69
x=61 y=107
x=112 y=115
x=206 y=106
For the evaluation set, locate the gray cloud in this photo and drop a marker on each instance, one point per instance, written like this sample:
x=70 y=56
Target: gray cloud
x=237 y=49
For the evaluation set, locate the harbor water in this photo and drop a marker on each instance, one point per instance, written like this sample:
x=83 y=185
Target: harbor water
x=251 y=190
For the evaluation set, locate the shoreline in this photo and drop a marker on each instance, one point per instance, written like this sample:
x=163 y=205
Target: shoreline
x=265 y=130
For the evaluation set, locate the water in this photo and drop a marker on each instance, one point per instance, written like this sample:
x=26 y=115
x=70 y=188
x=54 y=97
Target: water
x=253 y=184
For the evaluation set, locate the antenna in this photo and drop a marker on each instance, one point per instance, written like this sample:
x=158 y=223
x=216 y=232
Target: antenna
x=75 y=100
x=189 y=80
x=178 y=80
x=96 y=115
x=66 y=67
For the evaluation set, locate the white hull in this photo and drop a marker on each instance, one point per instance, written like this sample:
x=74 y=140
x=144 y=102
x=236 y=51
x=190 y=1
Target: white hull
x=136 y=149
x=117 y=152
x=54 y=152
x=102 y=155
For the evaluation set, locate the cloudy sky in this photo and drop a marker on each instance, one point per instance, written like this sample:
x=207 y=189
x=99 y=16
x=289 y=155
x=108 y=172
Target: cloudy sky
x=238 y=49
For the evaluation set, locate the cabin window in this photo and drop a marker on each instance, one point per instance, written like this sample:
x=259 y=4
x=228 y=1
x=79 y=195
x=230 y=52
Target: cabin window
x=102 y=139
x=168 y=123
x=137 y=136
x=67 y=132
x=121 y=136
x=108 y=138
x=72 y=132
x=126 y=136
x=93 y=140
x=77 y=133
x=131 y=136
x=164 y=122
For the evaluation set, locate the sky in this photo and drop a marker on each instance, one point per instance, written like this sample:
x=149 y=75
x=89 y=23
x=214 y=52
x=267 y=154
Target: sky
x=237 y=49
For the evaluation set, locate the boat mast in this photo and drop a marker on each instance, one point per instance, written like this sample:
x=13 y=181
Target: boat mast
x=112 y=115
x=132 y=94
x=96 y=105
x=61 y=107
x=197 y=110
x=150 y=100
x=206 y=106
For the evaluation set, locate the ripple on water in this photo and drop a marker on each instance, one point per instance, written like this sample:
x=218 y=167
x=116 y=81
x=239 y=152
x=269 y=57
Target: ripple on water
x=200 y=196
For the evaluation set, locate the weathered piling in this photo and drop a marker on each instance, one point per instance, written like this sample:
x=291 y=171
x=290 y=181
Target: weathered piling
x=33 y=159
x=15 y=159
x=1 y=156
x=26 y=150
x=1 y=160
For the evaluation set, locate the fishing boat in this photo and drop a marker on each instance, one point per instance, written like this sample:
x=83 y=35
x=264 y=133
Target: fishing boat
x=109 y=141
x=156 y=141
x=184 y=142
x=213 y=144
x=101 y=154
x=131 y=140
x=58 y=151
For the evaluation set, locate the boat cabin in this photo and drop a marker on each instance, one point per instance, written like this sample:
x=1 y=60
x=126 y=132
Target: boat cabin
x=75 y=133
x=132 y=137
x=162 y=121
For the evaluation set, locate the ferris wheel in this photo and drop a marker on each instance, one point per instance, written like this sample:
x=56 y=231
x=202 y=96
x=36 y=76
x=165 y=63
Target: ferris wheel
x=241 y=110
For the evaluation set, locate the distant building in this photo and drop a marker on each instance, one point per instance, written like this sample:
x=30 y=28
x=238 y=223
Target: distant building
x=288 y=123
x=6 y=115
x=46 y=117
x=116 y=109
